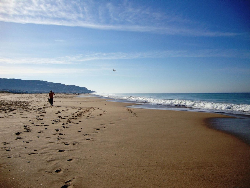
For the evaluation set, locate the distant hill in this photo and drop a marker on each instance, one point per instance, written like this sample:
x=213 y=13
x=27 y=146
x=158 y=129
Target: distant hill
x=38 y=86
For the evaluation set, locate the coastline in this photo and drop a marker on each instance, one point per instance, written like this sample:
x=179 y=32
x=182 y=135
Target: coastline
x=232 y=105
x=90 y=142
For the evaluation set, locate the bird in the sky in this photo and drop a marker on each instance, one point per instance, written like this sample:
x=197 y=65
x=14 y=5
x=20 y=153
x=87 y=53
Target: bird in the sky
x=114 y=70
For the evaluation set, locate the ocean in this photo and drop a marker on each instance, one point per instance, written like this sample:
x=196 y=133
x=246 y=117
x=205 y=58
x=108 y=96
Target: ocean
x=236 y=105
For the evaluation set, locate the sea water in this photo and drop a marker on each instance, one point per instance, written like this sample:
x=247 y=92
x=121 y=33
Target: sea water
x=235 y=103
x=232 y=104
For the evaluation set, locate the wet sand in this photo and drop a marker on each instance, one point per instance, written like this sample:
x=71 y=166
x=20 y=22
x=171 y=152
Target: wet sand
x=89 y=142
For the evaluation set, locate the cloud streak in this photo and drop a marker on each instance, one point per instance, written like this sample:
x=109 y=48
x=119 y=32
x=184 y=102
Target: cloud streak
x=88 y=57
x=16 y=71
x=111 y=15
x=35 y=61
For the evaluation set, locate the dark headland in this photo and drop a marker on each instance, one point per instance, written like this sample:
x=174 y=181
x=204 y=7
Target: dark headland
x=38 y=86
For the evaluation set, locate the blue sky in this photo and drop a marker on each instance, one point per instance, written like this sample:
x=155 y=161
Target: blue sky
x=154 y=45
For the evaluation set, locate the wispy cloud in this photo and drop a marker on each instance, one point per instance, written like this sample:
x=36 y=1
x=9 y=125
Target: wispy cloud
x=34 y=61
x=105 y=15
x=59 y=40
x=6 y=70
x=230 y=53
x=87 y=57
x=234 y=70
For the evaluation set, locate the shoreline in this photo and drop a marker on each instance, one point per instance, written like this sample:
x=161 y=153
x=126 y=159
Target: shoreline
x=219 y=124
x=90 y=142
x=229 y=127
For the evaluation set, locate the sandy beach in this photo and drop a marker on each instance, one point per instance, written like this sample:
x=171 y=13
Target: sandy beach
x=89 y=142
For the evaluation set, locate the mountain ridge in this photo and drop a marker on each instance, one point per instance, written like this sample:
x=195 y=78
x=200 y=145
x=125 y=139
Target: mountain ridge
x=38 y=86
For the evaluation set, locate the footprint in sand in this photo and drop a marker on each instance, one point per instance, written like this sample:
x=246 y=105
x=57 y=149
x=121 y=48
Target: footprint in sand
x=67 y=183
x=65 y=186
x=58 y=170
x=26 y=128
x=32 y=153
x=5 y=143
x=18 y=133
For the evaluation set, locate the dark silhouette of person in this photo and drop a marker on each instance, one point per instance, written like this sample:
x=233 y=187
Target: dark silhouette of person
x=51 y=95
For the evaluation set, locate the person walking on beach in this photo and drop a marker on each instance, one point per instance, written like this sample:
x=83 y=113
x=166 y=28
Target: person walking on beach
x=51 y=95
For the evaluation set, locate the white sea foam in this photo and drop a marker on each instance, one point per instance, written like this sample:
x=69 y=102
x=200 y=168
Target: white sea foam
x=191 y=104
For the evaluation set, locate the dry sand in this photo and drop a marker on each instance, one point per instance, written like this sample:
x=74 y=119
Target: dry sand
x=89 y=142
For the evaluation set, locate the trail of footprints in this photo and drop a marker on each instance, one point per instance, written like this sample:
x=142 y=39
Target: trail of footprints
x=63 y=120
x=39 y=124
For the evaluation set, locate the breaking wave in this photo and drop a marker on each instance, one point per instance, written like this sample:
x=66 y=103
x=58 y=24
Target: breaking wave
x=183 y=103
